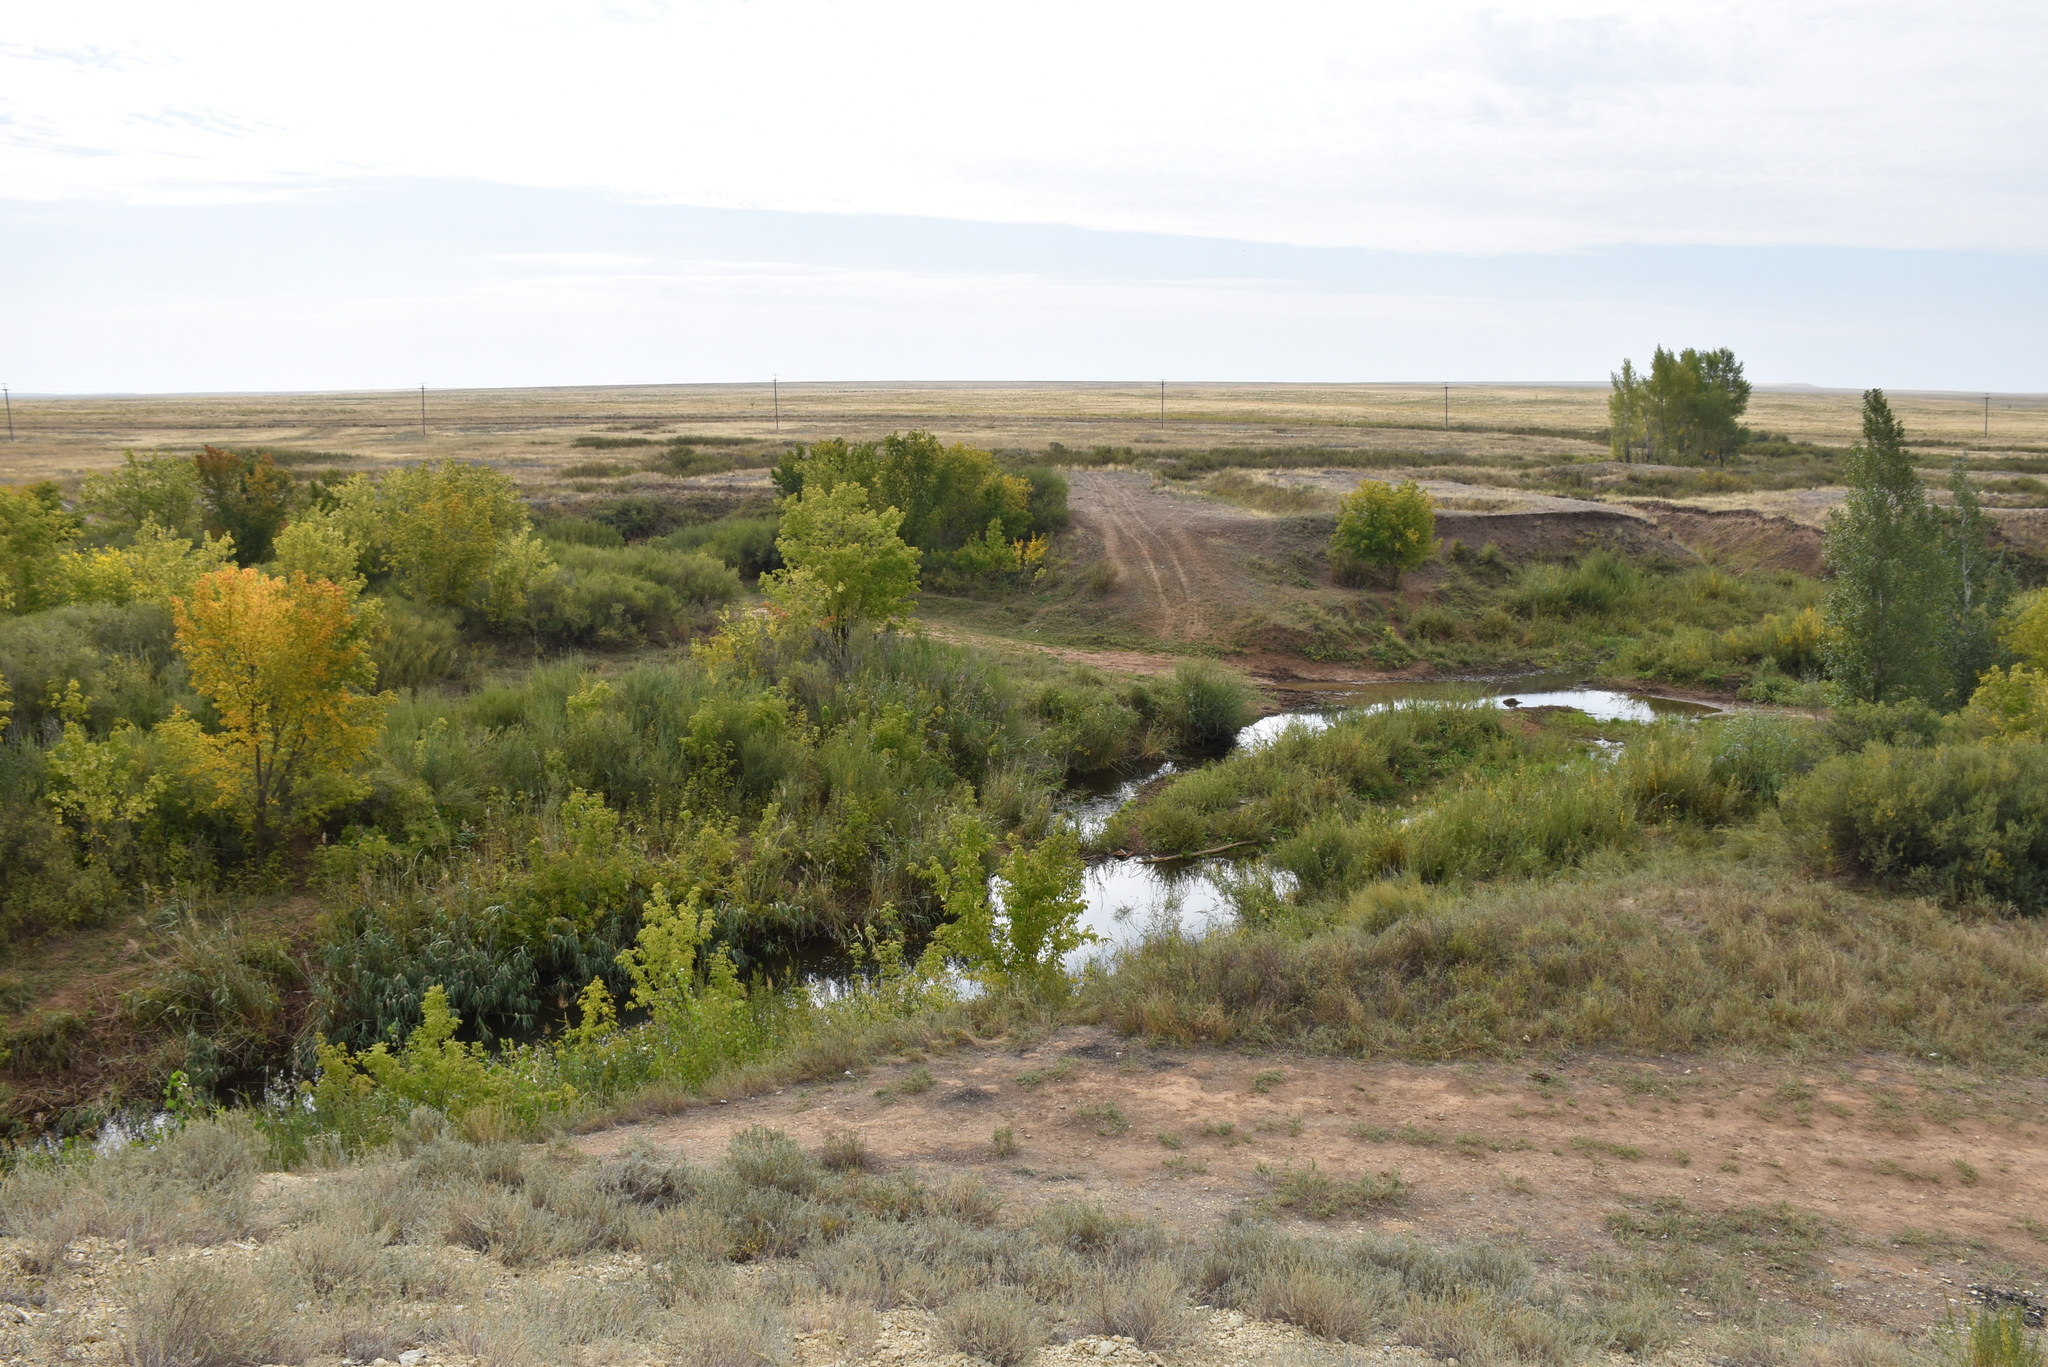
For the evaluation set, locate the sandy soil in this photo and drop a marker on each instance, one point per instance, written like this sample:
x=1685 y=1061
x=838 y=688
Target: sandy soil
x=1923 y=1180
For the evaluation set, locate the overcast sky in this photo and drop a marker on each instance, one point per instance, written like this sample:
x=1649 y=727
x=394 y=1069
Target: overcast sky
x=224 y=196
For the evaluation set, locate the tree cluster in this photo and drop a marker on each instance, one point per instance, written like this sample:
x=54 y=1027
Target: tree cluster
x=1913 y=605
x=1688 y=408
x=956 y=506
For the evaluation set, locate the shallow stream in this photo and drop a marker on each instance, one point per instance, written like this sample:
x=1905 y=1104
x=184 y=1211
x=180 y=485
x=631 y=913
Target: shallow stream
x=1129 y=899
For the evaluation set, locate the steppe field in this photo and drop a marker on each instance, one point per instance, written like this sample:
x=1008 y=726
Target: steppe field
x=1523 y=1033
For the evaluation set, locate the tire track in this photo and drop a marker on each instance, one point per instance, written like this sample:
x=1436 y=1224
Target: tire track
x=1165 y=548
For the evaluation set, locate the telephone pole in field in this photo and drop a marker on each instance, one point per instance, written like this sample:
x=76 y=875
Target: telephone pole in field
x=9 y=397
x=423 y=412
x=1447 y=408
x=775 y=391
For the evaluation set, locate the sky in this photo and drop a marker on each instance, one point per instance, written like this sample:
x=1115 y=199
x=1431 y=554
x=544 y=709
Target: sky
x=227 y=196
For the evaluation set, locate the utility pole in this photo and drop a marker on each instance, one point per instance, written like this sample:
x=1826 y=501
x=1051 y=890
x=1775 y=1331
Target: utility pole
x=10 y=411
x=1447 y=408
x=1987 y=416
x=775 y=388
x=1162 y=403
x=423 y=412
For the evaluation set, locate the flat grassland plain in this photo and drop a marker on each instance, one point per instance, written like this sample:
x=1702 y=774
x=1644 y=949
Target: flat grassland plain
x=59 y=437
x=1778 y=1208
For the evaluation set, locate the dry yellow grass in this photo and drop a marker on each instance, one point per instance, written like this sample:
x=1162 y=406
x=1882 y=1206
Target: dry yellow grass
x=61 y=437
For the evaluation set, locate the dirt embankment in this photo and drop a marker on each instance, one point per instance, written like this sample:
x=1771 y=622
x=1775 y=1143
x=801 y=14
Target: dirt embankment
x=1746 y=540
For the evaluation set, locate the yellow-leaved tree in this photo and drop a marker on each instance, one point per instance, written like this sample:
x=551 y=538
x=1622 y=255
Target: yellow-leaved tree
x=286 y=665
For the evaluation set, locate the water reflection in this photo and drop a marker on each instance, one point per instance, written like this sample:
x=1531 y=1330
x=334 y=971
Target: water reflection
x=1129 y=899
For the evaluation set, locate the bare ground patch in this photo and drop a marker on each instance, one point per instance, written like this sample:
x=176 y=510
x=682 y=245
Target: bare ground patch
x=1918 y=1182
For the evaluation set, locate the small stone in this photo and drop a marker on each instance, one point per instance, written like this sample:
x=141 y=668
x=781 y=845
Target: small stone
x=1103 y=1348
x=411 y=1356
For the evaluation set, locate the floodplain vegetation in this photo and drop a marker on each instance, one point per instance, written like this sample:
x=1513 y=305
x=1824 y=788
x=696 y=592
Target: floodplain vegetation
x=556 y=893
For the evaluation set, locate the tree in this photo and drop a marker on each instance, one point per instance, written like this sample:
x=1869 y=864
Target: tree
x=946 y=494
x=1881 y=607
x=1973 y=590
x=455 y=534
x=1023 y=939
x=1627 y=412
x=2014 y=702
x=158 y=488
x=34 y=530
x=243 y=497
x=1689 y=407
x=1387 y=526
x=156 y=566
x=286 y=666
x=1720 y=398
x=844 y=564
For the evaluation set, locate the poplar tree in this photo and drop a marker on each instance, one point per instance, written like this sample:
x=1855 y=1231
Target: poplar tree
x=1882 y=544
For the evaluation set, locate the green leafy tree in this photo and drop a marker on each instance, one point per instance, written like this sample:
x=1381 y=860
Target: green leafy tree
x=1973 y=591
x=1022 y=938
x=1689 y=406
x=158 y=488
x=1882 y=606
x=1627 y=412
x=1386 y=526
x=845 y=566
x=34 y=531
x=246 y=498
x=946 y=494
x=1720 y=398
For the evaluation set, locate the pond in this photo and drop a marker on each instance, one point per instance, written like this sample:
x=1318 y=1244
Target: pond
x=1129 y=898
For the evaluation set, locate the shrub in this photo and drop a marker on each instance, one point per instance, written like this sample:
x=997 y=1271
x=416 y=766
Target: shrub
x=620 y=597
x=1001 y=1326
x=1203 y=703
x=745 y=544
x=1146 y=1305
x=198 y=1313
x=1966 y=822
x=417 y=645
x=1385 y=526
x=1601 y=582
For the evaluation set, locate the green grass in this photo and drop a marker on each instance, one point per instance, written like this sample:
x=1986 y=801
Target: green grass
x=1730 y=948
x=1303 y=775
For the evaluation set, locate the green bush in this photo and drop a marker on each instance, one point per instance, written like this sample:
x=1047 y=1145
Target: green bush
x=1964 y=822
x=746 y=544
x=122 y=657
x=615 y=597
x=418 y=645
x=1385 y=526
x=1202 y=703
